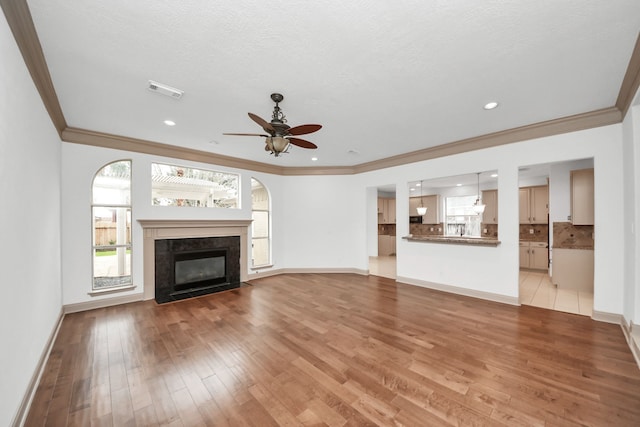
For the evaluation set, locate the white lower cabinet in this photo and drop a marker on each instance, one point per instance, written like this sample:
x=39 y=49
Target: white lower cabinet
x=573 y=269
x=534 y=255
x=386 y=245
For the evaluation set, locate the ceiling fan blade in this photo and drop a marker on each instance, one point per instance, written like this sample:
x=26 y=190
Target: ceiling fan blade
x=302 y=143
x=246 y=134
x=262 y=122
x=304 y=129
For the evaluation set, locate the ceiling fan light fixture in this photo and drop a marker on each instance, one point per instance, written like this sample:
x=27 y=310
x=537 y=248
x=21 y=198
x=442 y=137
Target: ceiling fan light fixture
x=277 y=145
x=280 y=144
x=279 y=135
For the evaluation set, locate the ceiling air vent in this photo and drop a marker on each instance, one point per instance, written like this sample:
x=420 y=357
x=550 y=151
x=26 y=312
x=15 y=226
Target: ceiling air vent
x=165 y=90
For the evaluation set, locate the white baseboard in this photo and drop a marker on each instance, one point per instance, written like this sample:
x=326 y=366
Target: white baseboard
x=23 y=409
x=461 y=291
x=603 y=316
x=275 y=272
x=632 y=335
x=105 y=302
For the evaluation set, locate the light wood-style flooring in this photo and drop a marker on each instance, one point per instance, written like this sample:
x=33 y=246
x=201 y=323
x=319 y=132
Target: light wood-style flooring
x=336 y=350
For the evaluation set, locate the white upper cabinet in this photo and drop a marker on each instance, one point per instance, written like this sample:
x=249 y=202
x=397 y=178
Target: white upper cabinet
x=490 y=200
x=534 y=205
x=582 y=197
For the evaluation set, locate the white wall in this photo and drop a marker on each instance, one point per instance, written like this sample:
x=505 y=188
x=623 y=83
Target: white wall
x=495 y=270
x=634 y=282
x=631 y=142
x=315 y=219
x=325 y=222
x=29 y=226
x=560 y=188
x=80 y=163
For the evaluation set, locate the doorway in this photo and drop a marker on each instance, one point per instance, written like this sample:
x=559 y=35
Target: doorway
x=382 y=254
x=553 y=247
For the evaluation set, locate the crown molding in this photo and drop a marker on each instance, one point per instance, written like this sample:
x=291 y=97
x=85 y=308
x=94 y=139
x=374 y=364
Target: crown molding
x=117 y=142
x=19 y=19
x=630 y=82
x=604 y=117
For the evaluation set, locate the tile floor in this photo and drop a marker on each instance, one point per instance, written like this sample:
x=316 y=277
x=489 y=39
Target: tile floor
x=535 y=288
x=384 y=266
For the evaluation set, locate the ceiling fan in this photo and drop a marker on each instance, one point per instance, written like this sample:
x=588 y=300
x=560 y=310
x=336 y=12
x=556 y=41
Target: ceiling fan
x=279 y=135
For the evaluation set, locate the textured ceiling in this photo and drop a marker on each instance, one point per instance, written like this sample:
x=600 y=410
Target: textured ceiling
x=383 y=78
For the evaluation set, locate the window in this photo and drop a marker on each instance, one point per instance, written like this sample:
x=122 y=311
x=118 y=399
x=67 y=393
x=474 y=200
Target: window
x=111 y=217
x=461 y=220
x=260 y=227
x=182 y=186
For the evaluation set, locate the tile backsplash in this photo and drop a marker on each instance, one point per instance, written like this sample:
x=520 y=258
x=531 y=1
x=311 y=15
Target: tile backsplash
x=491 y=230
x=427 y=229
x=540 y=232
x=569 y=236
x=386 y=229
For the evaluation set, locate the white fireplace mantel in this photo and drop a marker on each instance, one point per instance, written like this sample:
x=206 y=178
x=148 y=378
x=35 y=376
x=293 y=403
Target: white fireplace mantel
x=158 y=229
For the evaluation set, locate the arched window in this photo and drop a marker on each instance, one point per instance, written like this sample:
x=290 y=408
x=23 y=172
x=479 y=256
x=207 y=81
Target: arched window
x=261 y=226
x=111 y=218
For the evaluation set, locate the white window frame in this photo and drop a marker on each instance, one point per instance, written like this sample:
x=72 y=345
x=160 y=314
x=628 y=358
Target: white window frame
x=126 y=247
x=268 y=236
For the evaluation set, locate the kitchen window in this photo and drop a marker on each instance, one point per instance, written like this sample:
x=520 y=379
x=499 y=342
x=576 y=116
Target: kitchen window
x=460 y=219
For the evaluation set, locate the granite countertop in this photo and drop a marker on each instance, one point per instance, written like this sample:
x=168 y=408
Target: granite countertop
x=580 y=247
x=533 y=239
x=476 y=241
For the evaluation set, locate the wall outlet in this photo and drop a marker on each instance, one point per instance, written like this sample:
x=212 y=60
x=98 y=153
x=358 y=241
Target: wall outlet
x=431 y=229
x=439 y=229
x=531 y=231
x=484 y=230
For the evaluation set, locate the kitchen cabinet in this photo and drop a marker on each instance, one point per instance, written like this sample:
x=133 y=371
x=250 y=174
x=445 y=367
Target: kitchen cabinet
x=534 y=255
x=582 y=197
x=490 y=200
x=534 y=205
x=432 y=203
x=386 y=245
x=386 y=211
x=573 y=269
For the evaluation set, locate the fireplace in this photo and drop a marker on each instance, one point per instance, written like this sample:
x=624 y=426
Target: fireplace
x=192 y=267
x=199 y=269
x=174 y=229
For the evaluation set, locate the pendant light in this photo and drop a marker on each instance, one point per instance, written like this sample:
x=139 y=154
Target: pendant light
x=478 y=206
x=422 y=209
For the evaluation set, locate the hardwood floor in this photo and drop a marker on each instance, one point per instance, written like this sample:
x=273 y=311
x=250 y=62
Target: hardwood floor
x=336 y=350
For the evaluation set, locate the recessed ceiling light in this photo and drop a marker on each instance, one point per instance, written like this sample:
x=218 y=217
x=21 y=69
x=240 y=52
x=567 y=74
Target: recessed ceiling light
x=314 y=159
x=494 y=175
x=412 y=189
x=418 y=184
x=169 y=123
x=458 y=185
x=490 y=105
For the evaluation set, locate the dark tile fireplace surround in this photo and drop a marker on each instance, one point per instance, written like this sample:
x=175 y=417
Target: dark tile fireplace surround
x=213 y=266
